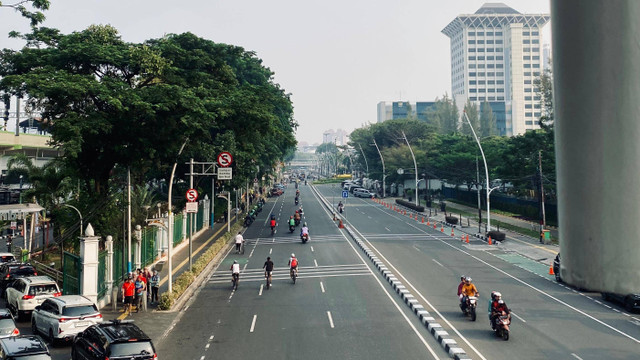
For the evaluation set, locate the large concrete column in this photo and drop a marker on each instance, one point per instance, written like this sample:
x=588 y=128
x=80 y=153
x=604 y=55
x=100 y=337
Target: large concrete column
x=89 y=246
x=108 y=244
x=596 y=66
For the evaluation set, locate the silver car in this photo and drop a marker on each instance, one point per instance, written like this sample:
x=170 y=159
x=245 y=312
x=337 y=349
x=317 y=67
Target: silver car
x=61 y=318
x=8 y=326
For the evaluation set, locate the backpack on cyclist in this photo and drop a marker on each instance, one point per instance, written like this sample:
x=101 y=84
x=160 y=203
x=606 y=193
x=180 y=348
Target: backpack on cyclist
x=294 y=262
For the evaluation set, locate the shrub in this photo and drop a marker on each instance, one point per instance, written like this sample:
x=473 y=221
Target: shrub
x=451 y=219
x=410 y=205
x=496 y=235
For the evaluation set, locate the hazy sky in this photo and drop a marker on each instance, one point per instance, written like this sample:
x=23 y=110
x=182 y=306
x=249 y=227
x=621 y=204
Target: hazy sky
x=338 y=59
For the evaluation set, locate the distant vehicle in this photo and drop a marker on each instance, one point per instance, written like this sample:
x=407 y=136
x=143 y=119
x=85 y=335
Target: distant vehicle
x=353 y=187
x=24 y=347
x=61 y=318
x=276 y=192
x=24 y=294
x=7 y=257
x=113 y=340
x=363 y=193
x=11 y=271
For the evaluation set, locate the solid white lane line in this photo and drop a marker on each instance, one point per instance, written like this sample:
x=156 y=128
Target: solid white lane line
x=321 y=286
x=312 y=249
x=330 y=319
x=521 y=319
x=436 y=261
x=315 y=262
x=251 y=253
x=260 y=292
x=405 y=281
x=253 y=323
x=576 y=356
x=245 y=267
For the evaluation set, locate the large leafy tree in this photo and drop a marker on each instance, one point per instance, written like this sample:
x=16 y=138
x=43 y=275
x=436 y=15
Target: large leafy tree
x=487 y=121
x=544 y=91
x=472 y=113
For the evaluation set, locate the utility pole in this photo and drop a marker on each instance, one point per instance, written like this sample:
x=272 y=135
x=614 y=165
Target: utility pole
x=478 y=189
x=384 y=173
x=414 y=165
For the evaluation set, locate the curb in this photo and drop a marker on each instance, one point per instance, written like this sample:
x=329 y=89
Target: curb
x=436 y=330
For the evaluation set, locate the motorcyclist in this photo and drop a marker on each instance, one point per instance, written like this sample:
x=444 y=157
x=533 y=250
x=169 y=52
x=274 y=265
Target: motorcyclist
x=235 y=269
x=297 y=193
x=498 y=307
x=304 y=231
x=460 y=287
x=292 y=222
x=468 y=289
x=293 y=263
x=340 y=207
x=297 y=218
x=272 y=223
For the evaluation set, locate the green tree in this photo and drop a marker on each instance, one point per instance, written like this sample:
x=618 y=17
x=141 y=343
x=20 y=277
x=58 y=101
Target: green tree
x=472 y=113
x=29 y=9
x=544 y=91
x=487 y=121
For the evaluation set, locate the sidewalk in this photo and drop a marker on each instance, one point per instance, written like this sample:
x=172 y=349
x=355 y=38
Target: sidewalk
x=522 y=244
x=153 y=322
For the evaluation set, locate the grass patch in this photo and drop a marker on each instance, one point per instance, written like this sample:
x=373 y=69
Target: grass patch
x=327 y=181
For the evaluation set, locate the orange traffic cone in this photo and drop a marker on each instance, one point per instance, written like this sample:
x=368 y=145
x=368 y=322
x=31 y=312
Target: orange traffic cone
x=490 y=243
x=341 y=225
x=423 y=219
x=434 y=225
x=551 y=270
x=441 y=228
x=452 y=232
x=467 y=239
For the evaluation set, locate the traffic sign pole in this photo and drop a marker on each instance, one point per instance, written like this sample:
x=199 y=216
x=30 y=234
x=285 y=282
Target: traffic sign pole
x=191 y=216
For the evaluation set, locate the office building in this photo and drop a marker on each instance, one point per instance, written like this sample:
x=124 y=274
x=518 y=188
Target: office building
x=496 y=54
x=403 y=110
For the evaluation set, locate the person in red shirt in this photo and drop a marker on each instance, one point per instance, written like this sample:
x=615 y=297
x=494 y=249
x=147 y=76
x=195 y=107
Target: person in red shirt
x=128 y=291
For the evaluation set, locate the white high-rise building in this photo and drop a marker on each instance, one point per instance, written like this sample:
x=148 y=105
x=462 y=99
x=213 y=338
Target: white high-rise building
x=496 y=54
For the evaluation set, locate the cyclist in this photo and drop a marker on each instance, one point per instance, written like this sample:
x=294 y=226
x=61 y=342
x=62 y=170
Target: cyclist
x=268 y=269
x=239 y=241
x=235 y=270
x=293 y=263
x=272 y=223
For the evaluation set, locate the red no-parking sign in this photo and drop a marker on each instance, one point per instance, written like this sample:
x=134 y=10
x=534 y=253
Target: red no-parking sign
x=192 y=195
x=225 y=159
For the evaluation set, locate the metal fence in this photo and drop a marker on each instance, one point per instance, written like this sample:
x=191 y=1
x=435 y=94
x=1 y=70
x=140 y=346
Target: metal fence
x=102 y=274
x=149 y=244
x=71 y=274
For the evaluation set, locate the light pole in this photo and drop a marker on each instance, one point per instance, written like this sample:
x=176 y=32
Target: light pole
x=486 y=172
x=365 y=159
x=414 y=165
x=384 y=173
x=170 y=247
x=76 y=209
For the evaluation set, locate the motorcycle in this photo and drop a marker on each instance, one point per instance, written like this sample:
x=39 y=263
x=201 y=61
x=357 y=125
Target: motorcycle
x=297 y=201
x=291 y=228
x=469 y=307
x=501 y=326
x=297 y=221
x=340 y=208
x=304 y=238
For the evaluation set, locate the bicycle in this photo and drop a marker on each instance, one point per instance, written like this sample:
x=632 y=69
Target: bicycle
x=267 y=275
x=235 y=279
x=293 y=275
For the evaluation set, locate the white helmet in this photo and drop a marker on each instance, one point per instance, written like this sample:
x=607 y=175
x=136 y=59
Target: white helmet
x=497 y=294
x=293 y=255
x=468 y=278
x=500 y=302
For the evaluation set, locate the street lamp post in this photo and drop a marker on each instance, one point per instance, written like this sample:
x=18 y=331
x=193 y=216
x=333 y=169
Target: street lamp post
x=384 y=173
x=365 y=159
x=170 y=232
x=414 y=165
x=79 y=214
x=486 y=172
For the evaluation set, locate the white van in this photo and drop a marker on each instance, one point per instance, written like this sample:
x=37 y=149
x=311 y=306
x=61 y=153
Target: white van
x=363 y=193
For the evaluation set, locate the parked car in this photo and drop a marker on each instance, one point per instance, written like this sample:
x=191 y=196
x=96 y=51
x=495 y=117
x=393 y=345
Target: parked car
x=24 y=347
x=353 y=187
x=363 y=193
x=61 y=318
x=6 y=257
x=8 y=325
x=9 y=272
x=24 y=294
x=113 y=340
x=631 y=302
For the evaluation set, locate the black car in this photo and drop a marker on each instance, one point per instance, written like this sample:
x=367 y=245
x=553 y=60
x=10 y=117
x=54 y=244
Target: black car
x=631 y=302
x=113 y=340
x=11 y=271
x=27 y=347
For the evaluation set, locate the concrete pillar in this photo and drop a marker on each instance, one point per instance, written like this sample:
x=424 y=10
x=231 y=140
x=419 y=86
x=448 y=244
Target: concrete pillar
x=138 y=247
x=89 y=246
x=205 y=213
x=596 y=66
x=113 y=299
x=184 y=225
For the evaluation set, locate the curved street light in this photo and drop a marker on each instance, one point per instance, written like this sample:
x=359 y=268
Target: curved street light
x=170 y=247
x=414 y=165
x=76 y=209
x=384 y=172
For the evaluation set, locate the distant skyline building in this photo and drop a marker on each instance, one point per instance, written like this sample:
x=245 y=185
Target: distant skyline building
x=403 y=109
x=496 y=54
x=339 y=137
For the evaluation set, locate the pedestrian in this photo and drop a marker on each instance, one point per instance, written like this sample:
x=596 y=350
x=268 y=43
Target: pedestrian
x=239 y=241
x=155 y=286
x=9 y=243
x=147 y=275
x=226 y=215
x=140 y=287
x=128 y=291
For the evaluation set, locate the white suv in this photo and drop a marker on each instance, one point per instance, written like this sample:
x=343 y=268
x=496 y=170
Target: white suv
x=362 y=193
x=24 y=294
x=7 y=257
x=61 y=318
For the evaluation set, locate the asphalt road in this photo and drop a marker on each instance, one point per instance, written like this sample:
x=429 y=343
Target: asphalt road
x=339 y=308
x=551 y=320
